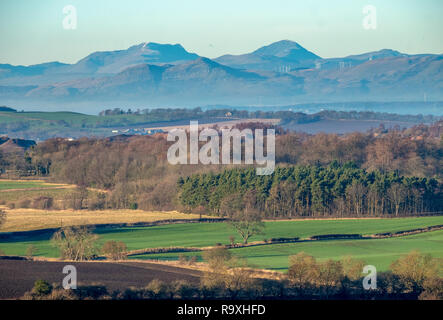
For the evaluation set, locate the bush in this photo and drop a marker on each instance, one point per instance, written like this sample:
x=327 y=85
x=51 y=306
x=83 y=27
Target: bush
x=41 y=288
x=43 y=203
x=115 y=250
x=24 y=203
x=182 y=258
x=414 y=270
x=31 y=251
x=303 y=269
x=218 y=256
x=2 y=216
x=182 y=289
x=156 y=289
x=93 y=291
x=97 y=202
x=433 y=289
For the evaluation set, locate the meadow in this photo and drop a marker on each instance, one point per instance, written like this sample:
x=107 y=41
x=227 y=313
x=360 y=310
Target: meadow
x=379 y=252
x=7 y=185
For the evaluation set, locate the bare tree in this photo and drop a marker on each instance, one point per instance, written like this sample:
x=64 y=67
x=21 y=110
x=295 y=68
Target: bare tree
x=2 y=216
x=397 y=194
x=115 y=250
x=76 y=243
x=356 y=193
x=243 y=214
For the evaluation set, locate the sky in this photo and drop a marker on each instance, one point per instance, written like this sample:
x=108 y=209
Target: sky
x=32 y=31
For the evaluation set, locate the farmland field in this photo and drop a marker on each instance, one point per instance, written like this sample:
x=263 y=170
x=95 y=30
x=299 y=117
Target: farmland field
x=275 y=256
x=25 y=184
x=33 y=219
x=378 y=252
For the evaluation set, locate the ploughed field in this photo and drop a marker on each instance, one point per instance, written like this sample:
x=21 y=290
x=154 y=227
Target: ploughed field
x=18 y=276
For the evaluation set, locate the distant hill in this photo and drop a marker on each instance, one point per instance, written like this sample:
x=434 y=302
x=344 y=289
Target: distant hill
x=95 y=65
x=110 y=62
x=152 y=74
x=282 y=56
x=7 y=109
x=15 y=145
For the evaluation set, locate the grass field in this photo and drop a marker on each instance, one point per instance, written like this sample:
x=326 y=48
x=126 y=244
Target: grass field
x=270 y=256
x=378 y=252
x=6 y=185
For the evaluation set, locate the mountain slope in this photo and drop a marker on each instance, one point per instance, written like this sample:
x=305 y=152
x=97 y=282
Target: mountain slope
x=97 y=64
x=282 y=55
x=281 y=73
x=111 y=62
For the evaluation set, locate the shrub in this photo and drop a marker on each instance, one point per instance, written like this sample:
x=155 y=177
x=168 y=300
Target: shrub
x=182 y=258
x=192 y=260
x=353 y=268
x=41 y=288
x=2 y=216
x=156 y=289
x=24 y=203
x=115 y=250
x=433 y=289
x=43 y=203
x=217 y=256
x=31 y=251
x=303 y=269
x=182 y=289
x=414 y=269
x=97 y=202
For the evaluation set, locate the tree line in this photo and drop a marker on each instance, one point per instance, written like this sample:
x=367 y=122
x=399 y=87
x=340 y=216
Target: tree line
x=411 y=277
x=311 y=191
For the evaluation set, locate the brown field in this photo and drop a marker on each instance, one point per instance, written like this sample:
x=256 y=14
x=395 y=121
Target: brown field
x=33 y=219
x=21 y=275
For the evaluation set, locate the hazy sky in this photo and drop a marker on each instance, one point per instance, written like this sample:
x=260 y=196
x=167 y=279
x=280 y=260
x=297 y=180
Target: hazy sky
x=31 y=31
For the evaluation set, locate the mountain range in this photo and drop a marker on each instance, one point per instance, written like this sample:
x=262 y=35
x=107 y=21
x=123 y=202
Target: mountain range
x=152 y=74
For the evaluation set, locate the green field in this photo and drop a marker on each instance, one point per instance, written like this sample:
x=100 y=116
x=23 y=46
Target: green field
x=10 y=184
x=44 y=125
x=378 y=251
x=30 y=190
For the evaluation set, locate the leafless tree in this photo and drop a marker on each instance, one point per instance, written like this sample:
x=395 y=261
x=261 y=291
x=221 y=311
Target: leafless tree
x=76 y=243
x=243 y=214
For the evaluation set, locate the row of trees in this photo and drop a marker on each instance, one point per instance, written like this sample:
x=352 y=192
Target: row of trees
x=294 y=191
x=414 y=276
